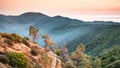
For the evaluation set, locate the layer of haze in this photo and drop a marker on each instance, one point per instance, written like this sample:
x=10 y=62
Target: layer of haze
x=70 y=8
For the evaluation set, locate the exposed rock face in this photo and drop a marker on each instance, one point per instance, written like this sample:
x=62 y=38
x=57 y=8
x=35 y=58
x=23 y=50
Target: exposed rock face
x=33 y=52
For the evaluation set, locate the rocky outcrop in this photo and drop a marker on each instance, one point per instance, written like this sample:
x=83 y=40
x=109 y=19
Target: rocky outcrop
x=36 y=55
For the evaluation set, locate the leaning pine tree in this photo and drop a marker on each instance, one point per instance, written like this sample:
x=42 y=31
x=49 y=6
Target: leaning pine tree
x=33 y=32
x=48 y=42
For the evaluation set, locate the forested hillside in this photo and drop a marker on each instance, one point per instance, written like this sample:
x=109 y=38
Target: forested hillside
x=100 y=38
x=110 y=58
x=96 y=35
x=64 y=42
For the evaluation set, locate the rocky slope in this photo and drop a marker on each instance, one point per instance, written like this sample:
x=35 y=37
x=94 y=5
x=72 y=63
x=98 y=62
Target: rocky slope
x=14 y=45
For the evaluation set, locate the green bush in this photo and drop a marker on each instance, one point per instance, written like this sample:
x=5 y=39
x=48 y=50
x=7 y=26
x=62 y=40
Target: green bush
x=17 y=60
x=0 y=36
x=13 y=37
x=45 y=59
x=16 y=38
x=37 y=66
x=33 y=52
x=8 y=41
x=57 y=52
x=26 y=38
x=69 y=64
x=5 y=35
x=4 y=59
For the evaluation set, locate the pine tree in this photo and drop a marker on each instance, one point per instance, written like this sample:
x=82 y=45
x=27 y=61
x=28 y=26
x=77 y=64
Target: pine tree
x=33 y=32
x=80 y=59
x=97 y=63
x=69 y=64
x=64 y=52
x=48 y=43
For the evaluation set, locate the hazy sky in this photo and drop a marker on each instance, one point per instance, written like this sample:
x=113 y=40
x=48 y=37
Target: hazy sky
x=71 y=8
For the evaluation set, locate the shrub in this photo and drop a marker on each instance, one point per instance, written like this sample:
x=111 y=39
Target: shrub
x=4 y=59
x=8 y=41
x=37 y=66
x=33 y=52
x=0 y=36
x=13 y=37
x=69 y=64
x=24 y=41
x=35 y=42
x=5 y=35
x=16 y=38
x=17 y=60
x=45 y=59
x=26 y=38
x=57 y=52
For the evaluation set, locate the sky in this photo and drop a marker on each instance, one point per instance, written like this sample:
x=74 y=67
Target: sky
x=80 y=9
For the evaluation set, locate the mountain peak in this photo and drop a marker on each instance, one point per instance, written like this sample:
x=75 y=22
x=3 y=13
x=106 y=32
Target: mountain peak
x=58 y=16
x=33 y=14
x=1 y=15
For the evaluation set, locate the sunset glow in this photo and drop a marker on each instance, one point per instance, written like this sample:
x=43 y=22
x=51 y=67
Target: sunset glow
x=61 y=7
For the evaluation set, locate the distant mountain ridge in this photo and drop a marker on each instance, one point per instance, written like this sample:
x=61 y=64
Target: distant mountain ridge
x=35 y=15
x=61 y=29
